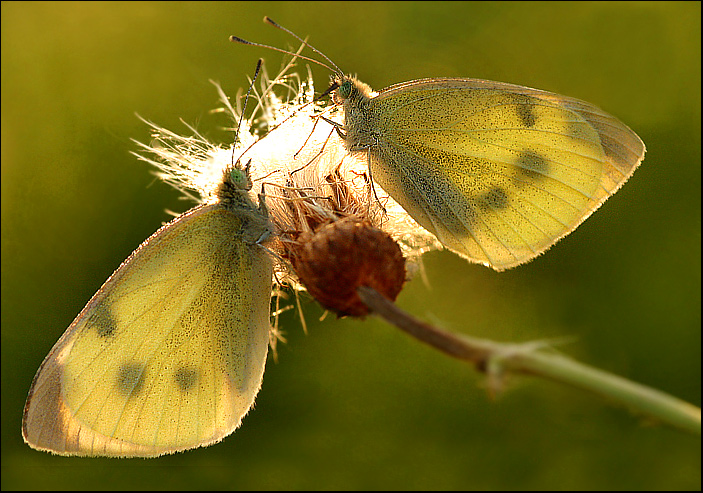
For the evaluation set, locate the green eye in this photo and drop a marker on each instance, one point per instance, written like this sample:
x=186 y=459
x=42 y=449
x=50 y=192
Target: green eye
x=237 y=176
x=345 y=89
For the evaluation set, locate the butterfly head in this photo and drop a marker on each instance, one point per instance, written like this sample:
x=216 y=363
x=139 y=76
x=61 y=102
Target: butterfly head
x=348 y=90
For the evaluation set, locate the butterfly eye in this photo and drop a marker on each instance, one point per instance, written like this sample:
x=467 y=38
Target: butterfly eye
x=345 y=89
x=237 y=176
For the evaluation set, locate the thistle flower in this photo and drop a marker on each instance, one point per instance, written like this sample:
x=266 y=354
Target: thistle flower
x=309 y=181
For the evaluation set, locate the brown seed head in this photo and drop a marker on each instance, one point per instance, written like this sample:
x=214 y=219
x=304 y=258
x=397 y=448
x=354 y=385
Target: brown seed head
x=343 y=255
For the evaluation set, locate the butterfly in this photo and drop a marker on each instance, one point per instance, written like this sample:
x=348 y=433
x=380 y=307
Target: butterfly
x=169 y=354
x=497 y=172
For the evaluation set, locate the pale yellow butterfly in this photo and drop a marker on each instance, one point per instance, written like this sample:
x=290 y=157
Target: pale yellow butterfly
x=170 y=352
x=497 y=172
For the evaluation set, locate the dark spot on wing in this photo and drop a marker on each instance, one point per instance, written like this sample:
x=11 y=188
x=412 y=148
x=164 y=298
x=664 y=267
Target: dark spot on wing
x=495 y=198
x=524 y=106
x=130 y=378
x=530 y=166
x=185 y=378
x=103 y=321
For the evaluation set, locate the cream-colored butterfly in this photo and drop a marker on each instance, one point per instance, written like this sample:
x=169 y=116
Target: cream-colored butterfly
x=497 y=172
x=170 y=352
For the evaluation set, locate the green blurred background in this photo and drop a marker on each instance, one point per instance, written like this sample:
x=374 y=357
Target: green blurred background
x=357 y=404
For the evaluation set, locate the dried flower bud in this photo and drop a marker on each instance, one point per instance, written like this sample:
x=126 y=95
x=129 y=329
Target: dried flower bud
x=343 y=255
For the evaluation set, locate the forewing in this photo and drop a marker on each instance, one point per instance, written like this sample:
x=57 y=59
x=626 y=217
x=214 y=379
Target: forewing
x=170 y=352
x=497 y=172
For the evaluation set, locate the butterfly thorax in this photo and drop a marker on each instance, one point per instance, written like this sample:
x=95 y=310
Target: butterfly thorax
x=359 y=117
x=234 y=194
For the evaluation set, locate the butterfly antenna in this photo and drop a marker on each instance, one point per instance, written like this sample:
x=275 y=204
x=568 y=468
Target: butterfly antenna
x=246 y=100
x=237 y=39
x=270 y=21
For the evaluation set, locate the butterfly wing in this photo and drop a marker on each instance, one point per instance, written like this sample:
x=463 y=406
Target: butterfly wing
x=168 y=355
x=497 y=172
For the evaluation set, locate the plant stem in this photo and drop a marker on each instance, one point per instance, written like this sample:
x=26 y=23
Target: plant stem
x=537 y=358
